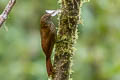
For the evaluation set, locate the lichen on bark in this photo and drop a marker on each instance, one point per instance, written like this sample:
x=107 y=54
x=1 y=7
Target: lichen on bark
x=66 y=38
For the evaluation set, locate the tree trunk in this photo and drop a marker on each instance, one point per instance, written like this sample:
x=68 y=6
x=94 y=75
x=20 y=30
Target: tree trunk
x=66 y=38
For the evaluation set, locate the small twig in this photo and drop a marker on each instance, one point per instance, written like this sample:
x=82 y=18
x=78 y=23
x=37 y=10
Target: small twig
x=6 y=11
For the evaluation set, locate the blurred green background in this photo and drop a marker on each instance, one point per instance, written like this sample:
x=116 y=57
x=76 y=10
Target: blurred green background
x=98 y=48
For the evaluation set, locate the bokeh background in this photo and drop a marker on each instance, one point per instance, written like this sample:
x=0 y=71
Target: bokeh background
x=98 y=48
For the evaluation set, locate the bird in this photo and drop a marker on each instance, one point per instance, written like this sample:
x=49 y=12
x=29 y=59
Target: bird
x=48 y=39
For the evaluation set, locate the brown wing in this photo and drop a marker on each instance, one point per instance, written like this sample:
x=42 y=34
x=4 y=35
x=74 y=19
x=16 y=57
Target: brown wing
x=52 y=37
x=48 y=38
x=44 y=39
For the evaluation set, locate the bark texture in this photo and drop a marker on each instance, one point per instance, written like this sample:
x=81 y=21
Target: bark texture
x=66 y=38
x=6 y=11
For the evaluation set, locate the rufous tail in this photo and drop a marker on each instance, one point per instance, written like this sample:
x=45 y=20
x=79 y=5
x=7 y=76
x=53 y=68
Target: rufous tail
x=49 y=66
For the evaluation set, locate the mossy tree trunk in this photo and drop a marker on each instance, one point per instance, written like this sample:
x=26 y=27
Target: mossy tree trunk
x=66 y=38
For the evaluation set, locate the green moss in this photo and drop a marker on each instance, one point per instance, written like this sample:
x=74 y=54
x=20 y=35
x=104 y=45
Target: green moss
x=66 y=37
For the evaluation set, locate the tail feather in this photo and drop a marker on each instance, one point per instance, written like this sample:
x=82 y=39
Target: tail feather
x=49 y=66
